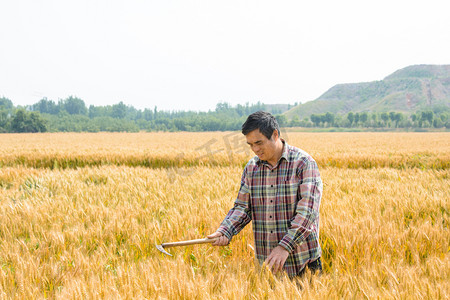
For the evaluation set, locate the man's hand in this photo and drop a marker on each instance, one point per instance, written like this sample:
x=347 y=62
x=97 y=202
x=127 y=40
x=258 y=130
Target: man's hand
x=221 y=241
x=276 y=259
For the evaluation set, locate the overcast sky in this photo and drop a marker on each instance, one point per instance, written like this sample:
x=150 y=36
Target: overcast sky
x=181 y=55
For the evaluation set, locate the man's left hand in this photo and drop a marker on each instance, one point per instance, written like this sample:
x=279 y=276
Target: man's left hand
x=275 y=261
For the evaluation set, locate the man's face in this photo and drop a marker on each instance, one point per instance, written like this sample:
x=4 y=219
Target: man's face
x=263 y=147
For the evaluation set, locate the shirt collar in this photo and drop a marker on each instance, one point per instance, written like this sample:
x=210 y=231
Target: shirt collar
x=284 y=154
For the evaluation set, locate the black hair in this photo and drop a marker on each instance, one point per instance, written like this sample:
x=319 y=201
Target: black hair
x=264 y=121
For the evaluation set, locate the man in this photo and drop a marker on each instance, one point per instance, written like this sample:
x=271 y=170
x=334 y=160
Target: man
x=280 y=191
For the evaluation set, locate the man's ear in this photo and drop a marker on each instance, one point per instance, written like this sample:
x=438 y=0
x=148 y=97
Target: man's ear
x=275 y=135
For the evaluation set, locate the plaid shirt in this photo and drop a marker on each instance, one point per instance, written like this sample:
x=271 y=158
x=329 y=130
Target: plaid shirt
x=283 y=203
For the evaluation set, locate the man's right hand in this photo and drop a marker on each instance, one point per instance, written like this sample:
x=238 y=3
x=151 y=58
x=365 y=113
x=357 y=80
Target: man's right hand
x=221 y=239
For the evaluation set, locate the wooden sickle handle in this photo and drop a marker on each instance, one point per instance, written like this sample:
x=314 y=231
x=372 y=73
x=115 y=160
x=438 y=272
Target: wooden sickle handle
x=190 y=242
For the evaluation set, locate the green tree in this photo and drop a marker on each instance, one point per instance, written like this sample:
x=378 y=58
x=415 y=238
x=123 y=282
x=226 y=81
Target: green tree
x=295 y=122
x=6 y=104
x=363 y=118
x=351 y=118
x=329 y=119
x=119 y=110
x=36 y=123
x=4 y=120
x=28 y=122
x=315 y=119
x=148 y=114
x=444 y=118
x=282 y=120
x=74 y=106
x=222 y=106
x=427 y=116
x=392 y=116
x=356 y=119
x=46 y=106
x=374 y=118
x=437 y=123
x=385 y=117
x=398 y=118
x=18 y=123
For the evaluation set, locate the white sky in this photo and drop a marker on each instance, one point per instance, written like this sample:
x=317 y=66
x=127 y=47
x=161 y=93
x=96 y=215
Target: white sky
x=185 y=54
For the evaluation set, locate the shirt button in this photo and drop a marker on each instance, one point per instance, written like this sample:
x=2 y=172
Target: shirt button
x=271 y=231
x=270 y=217
x=271 y=185
x=271 y=201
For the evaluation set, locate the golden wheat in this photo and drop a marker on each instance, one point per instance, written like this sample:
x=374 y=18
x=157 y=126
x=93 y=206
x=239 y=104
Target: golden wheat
x=90 y=232
x=156 y=150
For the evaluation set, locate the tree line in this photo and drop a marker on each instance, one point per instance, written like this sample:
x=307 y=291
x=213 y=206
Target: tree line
x=440 y=118
x=72 y=115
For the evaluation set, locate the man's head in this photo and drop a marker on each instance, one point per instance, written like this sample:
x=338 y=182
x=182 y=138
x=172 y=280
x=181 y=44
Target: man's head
x=264 y=121
x=263 y=135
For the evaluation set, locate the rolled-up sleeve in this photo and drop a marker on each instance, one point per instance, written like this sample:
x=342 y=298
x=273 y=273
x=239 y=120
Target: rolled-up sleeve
x=240 y=215
x=307 y=209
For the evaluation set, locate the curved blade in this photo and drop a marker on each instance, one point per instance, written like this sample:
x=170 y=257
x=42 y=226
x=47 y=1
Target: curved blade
x=161 y=248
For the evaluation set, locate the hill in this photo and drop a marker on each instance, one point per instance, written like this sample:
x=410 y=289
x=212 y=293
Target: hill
x=407 y=90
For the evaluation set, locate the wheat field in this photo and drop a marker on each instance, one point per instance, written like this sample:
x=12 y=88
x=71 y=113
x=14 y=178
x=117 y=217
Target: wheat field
x=80 y=215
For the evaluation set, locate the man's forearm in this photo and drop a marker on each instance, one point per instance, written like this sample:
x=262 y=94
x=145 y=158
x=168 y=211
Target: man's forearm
x=234 y=222
x=300 y=229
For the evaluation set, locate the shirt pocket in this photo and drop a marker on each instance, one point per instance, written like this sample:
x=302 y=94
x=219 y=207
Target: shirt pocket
x=288 y=190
